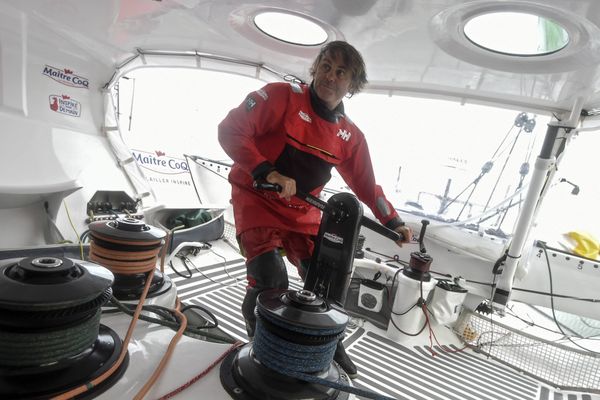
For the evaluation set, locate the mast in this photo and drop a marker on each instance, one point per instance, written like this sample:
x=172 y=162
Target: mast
x=557 y=134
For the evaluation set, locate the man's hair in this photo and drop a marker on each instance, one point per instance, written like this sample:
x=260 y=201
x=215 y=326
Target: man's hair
x=351 y=58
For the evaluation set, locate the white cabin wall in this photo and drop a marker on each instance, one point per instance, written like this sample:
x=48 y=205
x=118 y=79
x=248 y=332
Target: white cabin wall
x=43 y=152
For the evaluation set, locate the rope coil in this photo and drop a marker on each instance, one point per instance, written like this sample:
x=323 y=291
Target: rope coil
x=127 y=260
x=20 y=349
x=294 y=349
x=281 y=354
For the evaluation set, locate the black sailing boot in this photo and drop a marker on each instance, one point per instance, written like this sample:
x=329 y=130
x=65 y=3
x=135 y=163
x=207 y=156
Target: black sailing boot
x=344 y=361
x=267 y=271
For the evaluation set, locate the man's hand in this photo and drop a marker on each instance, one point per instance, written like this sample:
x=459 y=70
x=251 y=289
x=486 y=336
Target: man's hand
x=406 y=233
x=288 y=185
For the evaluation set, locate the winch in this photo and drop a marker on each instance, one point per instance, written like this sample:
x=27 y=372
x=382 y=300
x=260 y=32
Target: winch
x=129 y=248
x=292 y=351
x=51 y=339
x=297 y=332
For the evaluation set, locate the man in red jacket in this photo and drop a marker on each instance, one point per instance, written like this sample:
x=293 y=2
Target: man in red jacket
x=293 y=134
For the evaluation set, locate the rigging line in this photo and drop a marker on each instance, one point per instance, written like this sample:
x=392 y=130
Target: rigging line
x=201 y=374
x=503 y=168
x=188 y=276
x=170 y=320
x=485 y=169
x=475 y=181
x=389 y=294
x=445 y=349
x=186 y=260
x=192 y=179
x=586 y=323
x=236 y=279
x=552 y=304
x=132 y=101
x=469 y=196
x=166 y=357
x=73 y=226
x=502 y=209
x=523 y=171
x=510 y=203
x=431 y=334
x=195 y=159
x=531 y=323
x=501 y=143
x=530 y=147
x=394 y=258
x=561 y=296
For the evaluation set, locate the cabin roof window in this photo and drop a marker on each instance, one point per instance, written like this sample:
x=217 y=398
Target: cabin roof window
x=516 y=33
x=291 y=28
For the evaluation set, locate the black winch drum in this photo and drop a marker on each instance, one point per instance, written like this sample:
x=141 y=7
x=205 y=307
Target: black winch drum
x=288 y=315
x=51 y=339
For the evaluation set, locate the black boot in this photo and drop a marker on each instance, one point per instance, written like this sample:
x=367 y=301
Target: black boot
x=268 y=271
x=248 y=306
x=344 y=361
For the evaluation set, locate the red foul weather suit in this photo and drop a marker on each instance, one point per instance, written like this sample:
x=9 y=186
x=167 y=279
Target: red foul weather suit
x=285 y=127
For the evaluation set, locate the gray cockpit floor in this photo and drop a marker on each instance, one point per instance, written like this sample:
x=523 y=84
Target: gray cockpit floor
x=406 y=372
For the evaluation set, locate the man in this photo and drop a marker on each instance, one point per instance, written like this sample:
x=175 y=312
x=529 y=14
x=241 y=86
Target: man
x=292 y=135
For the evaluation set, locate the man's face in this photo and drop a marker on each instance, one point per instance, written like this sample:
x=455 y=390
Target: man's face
x=332 y=80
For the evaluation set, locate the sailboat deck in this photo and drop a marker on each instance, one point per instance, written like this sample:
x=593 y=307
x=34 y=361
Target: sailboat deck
x=406 y=371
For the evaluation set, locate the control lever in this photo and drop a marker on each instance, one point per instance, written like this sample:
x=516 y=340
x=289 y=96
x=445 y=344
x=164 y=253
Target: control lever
x=424 y=224
x=332 y=211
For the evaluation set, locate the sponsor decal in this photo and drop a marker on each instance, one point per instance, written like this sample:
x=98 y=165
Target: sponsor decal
x=332 y=237
x=169 y=177
x=305 y=116
x=160 y=163
x=344 y=134
x=250 y=103
x=65 y=105
x=66 y=77
x=262 y=94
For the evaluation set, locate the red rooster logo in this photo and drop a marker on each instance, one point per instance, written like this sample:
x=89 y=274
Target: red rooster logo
x=54 y=104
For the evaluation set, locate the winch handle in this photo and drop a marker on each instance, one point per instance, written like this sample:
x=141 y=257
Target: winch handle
x=327 y=208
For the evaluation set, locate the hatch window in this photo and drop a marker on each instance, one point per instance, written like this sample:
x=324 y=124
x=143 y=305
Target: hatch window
x=517 y=34
x=291 y=28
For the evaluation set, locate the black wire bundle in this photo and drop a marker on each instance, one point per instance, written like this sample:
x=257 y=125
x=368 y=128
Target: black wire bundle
x=170 y=320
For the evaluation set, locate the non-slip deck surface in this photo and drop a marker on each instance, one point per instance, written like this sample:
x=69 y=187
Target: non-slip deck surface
x=387 y=367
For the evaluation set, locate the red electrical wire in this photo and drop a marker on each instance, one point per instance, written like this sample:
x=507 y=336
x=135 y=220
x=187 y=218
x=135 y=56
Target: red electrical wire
x=201 y=374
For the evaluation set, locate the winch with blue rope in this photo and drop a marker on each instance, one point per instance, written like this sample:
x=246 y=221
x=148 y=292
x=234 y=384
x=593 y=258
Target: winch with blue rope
x=51 y=339
x=291 y=356
x=292 y=352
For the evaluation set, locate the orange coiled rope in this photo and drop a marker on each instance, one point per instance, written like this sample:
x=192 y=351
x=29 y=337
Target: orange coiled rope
x=129 y=257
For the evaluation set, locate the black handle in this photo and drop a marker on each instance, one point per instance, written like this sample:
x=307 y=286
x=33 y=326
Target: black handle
x=326 y=207
x=382 y=230
x=264 y=185
x=424 y=224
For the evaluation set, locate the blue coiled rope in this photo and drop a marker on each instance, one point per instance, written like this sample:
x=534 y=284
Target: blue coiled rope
x=300 y=360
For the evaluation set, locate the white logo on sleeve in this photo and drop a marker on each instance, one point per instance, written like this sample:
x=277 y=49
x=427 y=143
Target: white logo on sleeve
x=262 y=94
x=305 y=116
x=344 y=134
